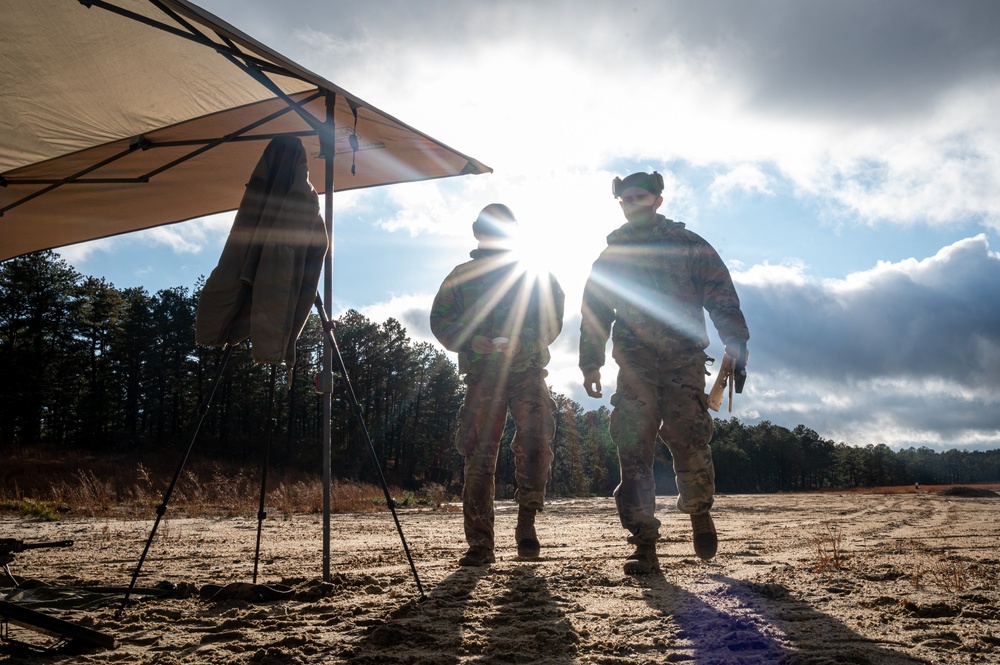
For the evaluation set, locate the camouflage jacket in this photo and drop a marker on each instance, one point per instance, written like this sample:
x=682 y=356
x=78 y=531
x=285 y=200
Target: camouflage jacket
x=493 y=296
x=650 y=290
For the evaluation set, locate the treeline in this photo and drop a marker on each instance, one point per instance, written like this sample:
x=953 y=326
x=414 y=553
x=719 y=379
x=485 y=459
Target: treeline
x=770 y=458
x=91 y=368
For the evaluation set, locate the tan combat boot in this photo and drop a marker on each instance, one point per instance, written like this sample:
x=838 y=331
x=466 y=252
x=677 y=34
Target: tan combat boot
x=706 y=541
x=524 y=534
x=643 y=561
x=477 y=556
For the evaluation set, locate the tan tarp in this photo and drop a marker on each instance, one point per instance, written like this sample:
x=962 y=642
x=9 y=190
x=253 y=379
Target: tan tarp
x=80 y=86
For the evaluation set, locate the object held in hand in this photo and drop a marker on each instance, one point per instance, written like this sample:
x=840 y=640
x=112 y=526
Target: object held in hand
x=500 y=341
x=725 y=379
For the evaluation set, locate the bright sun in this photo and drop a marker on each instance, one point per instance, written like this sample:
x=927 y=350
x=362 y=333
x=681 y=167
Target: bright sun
x=567 y=256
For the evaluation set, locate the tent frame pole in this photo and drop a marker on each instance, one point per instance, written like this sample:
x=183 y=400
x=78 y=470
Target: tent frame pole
x=327 y=148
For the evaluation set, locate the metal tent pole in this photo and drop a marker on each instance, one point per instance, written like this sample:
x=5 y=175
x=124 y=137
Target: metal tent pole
x=326 y=380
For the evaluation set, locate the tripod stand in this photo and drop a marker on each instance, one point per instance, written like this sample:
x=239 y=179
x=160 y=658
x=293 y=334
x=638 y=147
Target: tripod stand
x=261 y=514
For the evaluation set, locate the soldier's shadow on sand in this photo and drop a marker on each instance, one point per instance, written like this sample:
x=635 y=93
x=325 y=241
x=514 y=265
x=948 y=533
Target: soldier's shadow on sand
x=452 y=625
x=423 y=632
x=527 y=620
x=766 y=625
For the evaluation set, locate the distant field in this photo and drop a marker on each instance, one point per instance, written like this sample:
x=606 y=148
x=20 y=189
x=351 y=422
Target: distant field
x=911 y=489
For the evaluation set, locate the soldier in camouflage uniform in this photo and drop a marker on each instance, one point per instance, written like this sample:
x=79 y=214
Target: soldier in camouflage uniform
x=500 y=320
x=649 y=289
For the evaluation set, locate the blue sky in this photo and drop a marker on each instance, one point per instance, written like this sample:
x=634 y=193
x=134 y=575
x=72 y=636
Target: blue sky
x=844 y=159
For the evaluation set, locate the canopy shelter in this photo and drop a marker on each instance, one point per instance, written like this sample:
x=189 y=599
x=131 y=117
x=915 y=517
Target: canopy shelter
x=125 y=115
x=129 y=114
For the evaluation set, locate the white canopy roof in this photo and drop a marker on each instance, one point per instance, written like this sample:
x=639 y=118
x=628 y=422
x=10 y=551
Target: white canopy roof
x=130 y=114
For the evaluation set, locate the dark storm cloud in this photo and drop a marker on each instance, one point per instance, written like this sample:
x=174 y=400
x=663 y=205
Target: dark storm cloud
x=852 y=56
x=934 y=319
x=897 y=419
x=416 y=320
x=907 y=354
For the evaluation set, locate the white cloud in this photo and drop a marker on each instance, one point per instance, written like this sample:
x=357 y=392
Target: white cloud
x=938 y=170
x=770 y=276
x=188 y=237
x=82 y=252
x=428 y=207
x=935 y=168
x=743 y=178
x=413 y=311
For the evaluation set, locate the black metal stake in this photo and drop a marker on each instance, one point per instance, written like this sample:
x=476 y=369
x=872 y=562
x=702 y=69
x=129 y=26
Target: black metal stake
x=261 y=515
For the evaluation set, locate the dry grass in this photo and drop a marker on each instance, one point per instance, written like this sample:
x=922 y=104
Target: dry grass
x=829 y=544
x=42 y=485
x=930 y=568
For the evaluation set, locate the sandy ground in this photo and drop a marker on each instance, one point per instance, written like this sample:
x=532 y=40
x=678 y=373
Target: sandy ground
x=916 y=583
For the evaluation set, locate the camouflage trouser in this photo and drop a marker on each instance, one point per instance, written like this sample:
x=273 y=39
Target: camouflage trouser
x=677 y=412
x=481 y=422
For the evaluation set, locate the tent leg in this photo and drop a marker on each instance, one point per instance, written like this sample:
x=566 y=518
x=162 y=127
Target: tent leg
x=261 y=514
x=162 y=508
x=327 y=147
x=356 y=408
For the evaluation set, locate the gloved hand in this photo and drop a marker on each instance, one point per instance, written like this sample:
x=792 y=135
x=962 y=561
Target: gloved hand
x=592 y=382
x=737 y=349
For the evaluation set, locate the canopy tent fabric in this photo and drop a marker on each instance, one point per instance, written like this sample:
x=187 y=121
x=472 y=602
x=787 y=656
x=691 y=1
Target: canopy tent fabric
x=126 y=115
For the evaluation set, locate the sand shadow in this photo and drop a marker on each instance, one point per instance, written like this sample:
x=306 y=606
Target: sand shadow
x=528 y=624
x=809 y=631
x=705 y=633
x=424 y=632
x=524 y=623
x=766 y=624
